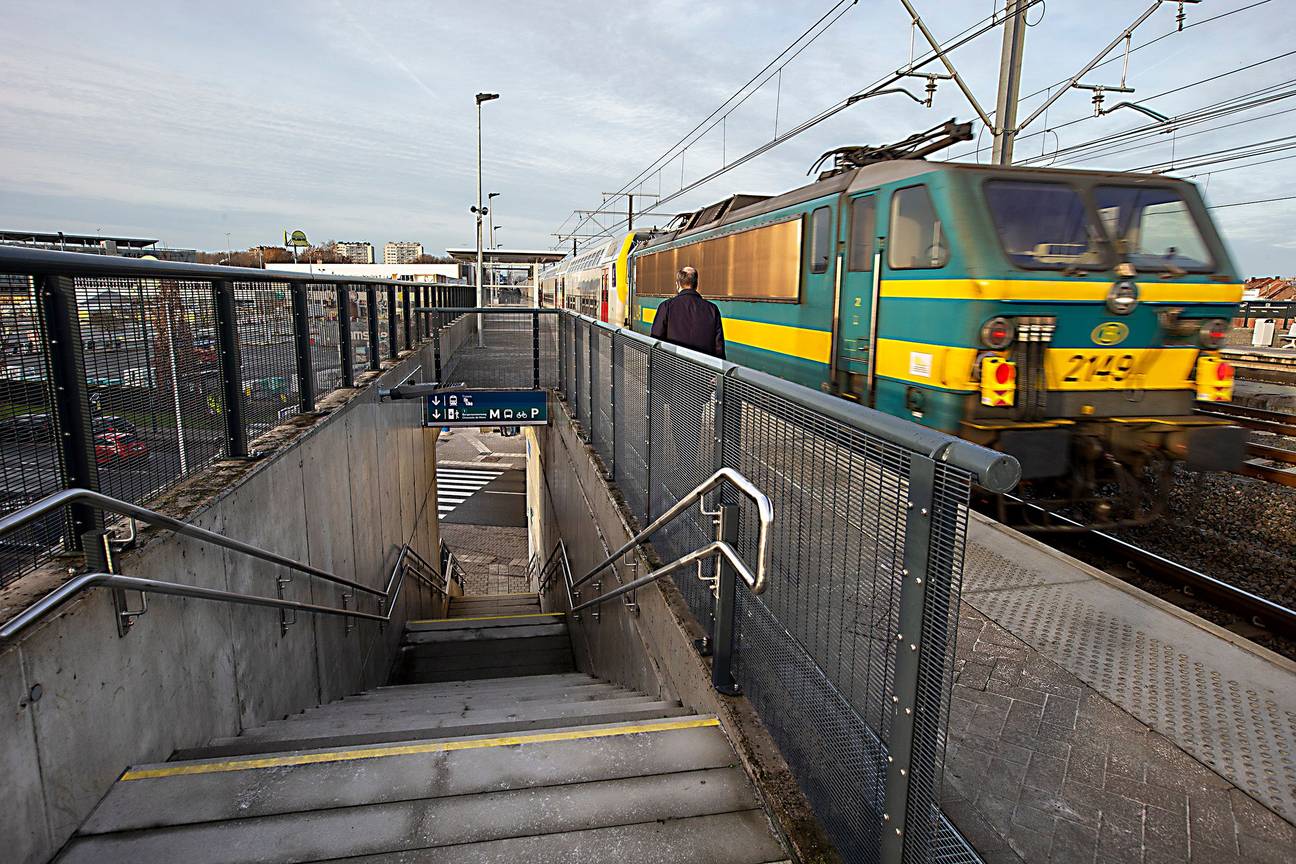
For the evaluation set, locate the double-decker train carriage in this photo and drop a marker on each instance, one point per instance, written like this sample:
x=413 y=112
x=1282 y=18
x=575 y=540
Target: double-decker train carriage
x=594 y=282
x=1070 y=318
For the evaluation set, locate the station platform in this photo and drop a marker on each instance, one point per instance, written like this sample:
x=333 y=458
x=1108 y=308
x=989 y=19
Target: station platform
x=1092 y=722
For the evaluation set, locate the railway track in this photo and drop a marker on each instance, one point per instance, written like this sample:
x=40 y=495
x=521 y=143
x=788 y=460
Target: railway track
x=1260 y=611
x=1262 y=420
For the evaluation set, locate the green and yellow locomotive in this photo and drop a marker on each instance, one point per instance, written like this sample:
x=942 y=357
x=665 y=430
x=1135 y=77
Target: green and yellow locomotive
x=1069 y=318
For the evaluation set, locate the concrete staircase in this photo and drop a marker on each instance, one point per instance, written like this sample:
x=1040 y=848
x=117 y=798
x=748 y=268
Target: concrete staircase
x=521 y=759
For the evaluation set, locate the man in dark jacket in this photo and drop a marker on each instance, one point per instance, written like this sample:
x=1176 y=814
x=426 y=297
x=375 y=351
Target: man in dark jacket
x=690 y=320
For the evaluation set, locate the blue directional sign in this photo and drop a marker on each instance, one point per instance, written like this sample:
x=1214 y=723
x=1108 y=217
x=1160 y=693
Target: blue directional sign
x=487 y=408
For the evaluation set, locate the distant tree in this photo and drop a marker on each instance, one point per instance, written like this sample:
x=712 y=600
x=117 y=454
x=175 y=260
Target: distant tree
x=324 y=253
x=434 y=259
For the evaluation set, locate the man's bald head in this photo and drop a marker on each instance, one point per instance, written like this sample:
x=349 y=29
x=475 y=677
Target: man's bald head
x=686 y=279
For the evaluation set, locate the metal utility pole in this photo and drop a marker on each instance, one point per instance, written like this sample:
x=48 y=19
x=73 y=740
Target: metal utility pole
x=480 y=211
x=1010 y=63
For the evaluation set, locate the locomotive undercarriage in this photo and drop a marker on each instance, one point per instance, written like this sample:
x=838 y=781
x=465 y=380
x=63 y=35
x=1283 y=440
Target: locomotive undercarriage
x=1108 y=474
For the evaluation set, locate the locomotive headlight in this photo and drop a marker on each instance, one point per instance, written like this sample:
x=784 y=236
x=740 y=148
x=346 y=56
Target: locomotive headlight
x=1213 y=333
x=1123 y=297
x=997 y=333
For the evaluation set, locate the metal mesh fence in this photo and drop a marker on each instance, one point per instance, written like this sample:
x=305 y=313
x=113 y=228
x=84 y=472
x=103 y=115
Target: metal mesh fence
x=816 y=653
x=358 y=313
x=153 y=377
x=326 y=354
x=631 y=448
x=384 y=313
x=264 y=314
x=601 y=429
x=29 y=458
x=507 y=361
x=139 y=374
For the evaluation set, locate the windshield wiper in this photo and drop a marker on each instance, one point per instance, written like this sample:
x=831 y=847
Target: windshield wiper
x=1172 y=270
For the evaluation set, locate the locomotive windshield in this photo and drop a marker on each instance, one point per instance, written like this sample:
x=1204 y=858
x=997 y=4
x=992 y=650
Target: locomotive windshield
x=1152 y=228
x=1044 y=225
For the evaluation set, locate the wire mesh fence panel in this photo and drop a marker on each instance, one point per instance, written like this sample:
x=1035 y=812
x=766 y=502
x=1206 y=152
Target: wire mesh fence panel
x=601 y=408
x=580 y=362
x=264 y=314
x=384 y=342
x=398 y=313
x=358 y=313
x=682 y=426
x=507 y=359
x=630 y=447
x=548 y=333
x=153 y=375
x=567 y=360
x=325 y=342
x=29 y=457
x=948 y=539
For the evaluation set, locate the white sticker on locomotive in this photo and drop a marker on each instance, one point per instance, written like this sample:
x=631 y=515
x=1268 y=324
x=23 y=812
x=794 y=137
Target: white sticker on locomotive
x=920 y=364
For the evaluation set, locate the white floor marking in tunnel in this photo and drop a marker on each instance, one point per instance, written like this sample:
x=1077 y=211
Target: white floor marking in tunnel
x=457 y=485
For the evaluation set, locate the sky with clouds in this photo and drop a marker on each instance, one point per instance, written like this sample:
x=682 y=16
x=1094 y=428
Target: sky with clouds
x=355 y=121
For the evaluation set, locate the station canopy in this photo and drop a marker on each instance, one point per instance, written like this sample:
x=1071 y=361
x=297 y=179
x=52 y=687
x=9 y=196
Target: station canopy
x=507 y=256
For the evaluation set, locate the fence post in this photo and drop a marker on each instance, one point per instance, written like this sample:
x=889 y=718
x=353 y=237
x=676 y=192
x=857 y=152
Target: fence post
x=592 y=350
x=723 y=617
x=231 y=367
x=435 y=321
x=648 y=438
x=612 y=404
x=405 y=305
x=535 y=350
x=393 y=349
x=69 y=399
x=301 y=342
x=371 y=299
x=346 y=350
x=896 y=818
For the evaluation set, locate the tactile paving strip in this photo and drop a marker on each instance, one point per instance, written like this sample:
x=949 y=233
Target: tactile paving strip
x=1228 y=707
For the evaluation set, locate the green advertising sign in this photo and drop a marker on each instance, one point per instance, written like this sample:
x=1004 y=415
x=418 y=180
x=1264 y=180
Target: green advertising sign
x=296 y=238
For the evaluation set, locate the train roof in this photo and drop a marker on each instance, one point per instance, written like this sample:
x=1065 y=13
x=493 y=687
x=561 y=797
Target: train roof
x=739 y=207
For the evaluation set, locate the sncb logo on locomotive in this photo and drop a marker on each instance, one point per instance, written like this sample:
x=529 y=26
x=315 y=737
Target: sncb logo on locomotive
x=1110 y=333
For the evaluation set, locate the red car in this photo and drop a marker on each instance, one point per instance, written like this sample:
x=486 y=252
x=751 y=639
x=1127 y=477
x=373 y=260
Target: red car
x=119 y=447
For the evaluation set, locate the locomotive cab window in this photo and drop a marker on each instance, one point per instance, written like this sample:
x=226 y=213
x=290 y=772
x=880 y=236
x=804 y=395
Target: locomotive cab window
x=820 y=239
x=1152 y=228
x=863 y=226
x=1043 y=225
x=917 y=240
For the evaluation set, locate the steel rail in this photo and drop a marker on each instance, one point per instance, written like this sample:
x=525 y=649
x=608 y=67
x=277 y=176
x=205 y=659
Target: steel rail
x=755 y=581
x=60 y=596
x=60 y=499
x=1260 y=419
x=1261 y=610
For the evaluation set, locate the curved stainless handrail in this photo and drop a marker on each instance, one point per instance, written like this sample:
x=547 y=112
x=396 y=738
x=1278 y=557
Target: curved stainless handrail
x=765 y=510
x=53 y=502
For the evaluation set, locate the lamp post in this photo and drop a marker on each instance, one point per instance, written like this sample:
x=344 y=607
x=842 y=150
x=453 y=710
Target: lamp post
x=480 y=210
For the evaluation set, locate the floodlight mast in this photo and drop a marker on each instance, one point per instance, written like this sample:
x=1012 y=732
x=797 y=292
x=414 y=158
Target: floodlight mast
x=480 y=211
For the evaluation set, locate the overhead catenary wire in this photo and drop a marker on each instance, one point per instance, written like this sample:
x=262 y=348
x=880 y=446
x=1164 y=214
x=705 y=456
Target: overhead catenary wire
x=1048 y=89
x=1249 y=203
x=969 y=34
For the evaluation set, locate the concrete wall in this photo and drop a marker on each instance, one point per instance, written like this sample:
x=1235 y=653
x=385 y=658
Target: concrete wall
x=649 y=648
x=342 y=491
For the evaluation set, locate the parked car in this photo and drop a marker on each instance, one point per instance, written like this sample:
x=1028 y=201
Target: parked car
x=115 y=424
x=27 y=427
x=119 y=447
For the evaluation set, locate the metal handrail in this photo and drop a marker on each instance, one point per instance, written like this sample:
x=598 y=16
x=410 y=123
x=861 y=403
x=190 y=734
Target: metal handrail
x=60 y=499
x=52 y=601
x=755 y=581
x=765 y=510
x=21 y=259
x=84 y=582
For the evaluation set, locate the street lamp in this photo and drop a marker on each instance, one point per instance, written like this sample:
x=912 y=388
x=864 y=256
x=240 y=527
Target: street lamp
x=490 y=205
x=480 y=211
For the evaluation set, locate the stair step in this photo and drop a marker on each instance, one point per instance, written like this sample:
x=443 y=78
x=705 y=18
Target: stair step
x=597 y=714
x=494 y=607
x=502 y=684
x=507 y=648
x=522 y=694
x=529 y=619
x=394 y=715
x=435 y=704
x=741 y=837
x=373 y=829
x=485 y=633
x=169 y=794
